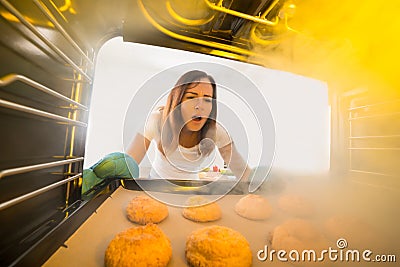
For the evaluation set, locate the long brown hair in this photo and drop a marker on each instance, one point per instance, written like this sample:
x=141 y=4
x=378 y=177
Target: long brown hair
x=172 y=118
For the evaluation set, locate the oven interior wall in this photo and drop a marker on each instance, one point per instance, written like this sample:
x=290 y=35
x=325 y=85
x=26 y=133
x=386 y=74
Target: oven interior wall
x=374 y=143
x=46 y=74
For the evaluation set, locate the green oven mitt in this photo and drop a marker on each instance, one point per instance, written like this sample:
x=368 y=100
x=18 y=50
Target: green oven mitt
x=89 y=179
x=114 y=165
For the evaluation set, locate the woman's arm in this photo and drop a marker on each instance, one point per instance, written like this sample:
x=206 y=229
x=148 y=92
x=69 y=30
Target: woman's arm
x=138 y=147
x=235 y=162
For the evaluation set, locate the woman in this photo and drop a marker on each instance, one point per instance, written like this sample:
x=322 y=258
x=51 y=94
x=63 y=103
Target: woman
x=186 y=132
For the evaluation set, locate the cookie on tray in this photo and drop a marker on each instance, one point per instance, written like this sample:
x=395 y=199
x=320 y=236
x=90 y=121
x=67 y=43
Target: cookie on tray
x=217 y=246
x=144 y=210
x=253 y=207
x=357 y=231
x=199 y=210
x=139 y=246
x=297 y=234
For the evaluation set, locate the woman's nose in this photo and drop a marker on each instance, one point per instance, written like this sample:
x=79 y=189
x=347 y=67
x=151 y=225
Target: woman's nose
x=198 y=103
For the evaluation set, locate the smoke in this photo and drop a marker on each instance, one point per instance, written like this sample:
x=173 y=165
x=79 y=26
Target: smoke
x=347 y=43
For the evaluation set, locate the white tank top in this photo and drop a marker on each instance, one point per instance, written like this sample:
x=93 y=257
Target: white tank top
x=183 y=163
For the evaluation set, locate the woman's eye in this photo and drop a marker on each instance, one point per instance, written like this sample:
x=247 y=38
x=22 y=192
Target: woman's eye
x=208 y=100
x=187 y=98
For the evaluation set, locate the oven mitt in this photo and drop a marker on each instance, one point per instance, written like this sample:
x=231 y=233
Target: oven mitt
x=114 y=165
x=89 y=179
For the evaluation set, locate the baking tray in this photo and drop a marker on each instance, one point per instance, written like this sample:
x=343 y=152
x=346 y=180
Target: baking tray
x=86 y=247
x=220 y=186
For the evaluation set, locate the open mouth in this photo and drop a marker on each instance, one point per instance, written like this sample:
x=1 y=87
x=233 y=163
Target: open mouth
x=196 y=118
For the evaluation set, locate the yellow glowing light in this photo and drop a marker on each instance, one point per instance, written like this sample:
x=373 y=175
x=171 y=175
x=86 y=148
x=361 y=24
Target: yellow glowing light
x=187 y=188
x=227 y=55
x=189 y=22
x=11 y=18
x=66 y=6
x=190 y=39
x=218 y=7
x=348 y=44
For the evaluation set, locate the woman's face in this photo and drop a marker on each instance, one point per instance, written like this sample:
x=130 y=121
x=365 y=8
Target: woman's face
x=196 y=106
